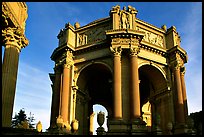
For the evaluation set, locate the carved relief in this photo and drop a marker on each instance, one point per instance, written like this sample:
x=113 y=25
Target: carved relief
x=82 y=39
x=152 y=38
x=94 y=35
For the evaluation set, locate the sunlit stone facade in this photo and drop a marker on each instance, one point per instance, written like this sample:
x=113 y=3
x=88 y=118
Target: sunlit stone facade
x=122 y=63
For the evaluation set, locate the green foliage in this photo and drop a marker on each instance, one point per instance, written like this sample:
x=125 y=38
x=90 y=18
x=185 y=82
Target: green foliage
x=22 y=117
x=31 y=120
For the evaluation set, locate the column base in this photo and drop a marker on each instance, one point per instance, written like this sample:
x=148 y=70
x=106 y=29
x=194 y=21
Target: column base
x=118 y=127
x=138 y=127
x=121 y=127
x=157 y=131
x=180 y=129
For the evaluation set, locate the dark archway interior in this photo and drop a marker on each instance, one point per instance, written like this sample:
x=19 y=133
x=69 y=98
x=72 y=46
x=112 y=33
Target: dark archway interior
x=151 y=82
x=96 y=81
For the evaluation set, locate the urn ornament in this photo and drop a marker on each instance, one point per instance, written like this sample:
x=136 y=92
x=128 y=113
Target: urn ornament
x=75 y=125
x=100 y=118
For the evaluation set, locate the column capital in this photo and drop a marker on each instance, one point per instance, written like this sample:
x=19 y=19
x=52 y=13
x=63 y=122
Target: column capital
x=134 y=51
x=67 y=65
x=183 y=70
x=14 y=37
x=116 y=50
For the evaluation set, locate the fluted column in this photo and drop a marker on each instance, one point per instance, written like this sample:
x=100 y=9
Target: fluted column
x=13 y=40
x=65 y=97
x=56 y=96
x=184 y=93
x=179 y=102
x=117 y=83
x=135 y=93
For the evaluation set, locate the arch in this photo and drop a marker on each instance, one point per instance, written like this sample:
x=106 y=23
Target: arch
x=155 y=65
x=94 y=87
x=91 y=63
x=153 y=85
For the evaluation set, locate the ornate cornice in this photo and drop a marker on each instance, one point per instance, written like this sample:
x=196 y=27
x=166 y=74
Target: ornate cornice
x=156 y=50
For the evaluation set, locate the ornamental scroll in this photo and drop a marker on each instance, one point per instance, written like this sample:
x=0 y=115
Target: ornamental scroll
x=152 y=38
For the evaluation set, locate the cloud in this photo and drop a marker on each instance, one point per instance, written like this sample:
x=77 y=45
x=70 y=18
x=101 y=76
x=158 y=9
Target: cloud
x=33 y=93
x=191 y=36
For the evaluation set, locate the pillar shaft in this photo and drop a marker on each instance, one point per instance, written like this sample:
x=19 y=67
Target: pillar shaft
x=13 y=40
x=135 y=86
x=117 y=84
x=9 y=78
x=65 y=97
x=179 y=104
x=184 y=95
x=56 y=97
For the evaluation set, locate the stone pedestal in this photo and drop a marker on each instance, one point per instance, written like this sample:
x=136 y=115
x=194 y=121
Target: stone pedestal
x=118 y=127
x=138 y=127
x=100 y=131
x=180 y=129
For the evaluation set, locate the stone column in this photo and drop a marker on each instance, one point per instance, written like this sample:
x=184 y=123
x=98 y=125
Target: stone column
x=179 y=101
x=13 y=40
x=135 y=93
x=56 y=96
x=184 y=93
x=65 y=97
x=117 y=83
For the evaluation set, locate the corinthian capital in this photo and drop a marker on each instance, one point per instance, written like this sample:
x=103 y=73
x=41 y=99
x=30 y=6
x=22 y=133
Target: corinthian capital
x=116 y=51
x=14 y=37
x=183 y=70
x=134 y=51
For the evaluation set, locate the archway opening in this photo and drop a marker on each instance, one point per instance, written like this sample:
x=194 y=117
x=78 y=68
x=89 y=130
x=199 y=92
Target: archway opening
x=152 y=83
x=95 y=87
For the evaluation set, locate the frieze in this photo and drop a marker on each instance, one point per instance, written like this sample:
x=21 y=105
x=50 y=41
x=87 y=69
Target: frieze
x=152 y=38
x=93 y=35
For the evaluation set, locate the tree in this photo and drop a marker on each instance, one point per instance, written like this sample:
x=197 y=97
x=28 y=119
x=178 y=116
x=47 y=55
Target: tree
x=30 y=120
x=21 y=118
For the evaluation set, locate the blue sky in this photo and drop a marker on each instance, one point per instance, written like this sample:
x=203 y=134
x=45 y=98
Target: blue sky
x=45 y=19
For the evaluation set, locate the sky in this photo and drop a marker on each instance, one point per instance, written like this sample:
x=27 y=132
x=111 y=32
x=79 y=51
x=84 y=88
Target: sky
x=45 y=19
